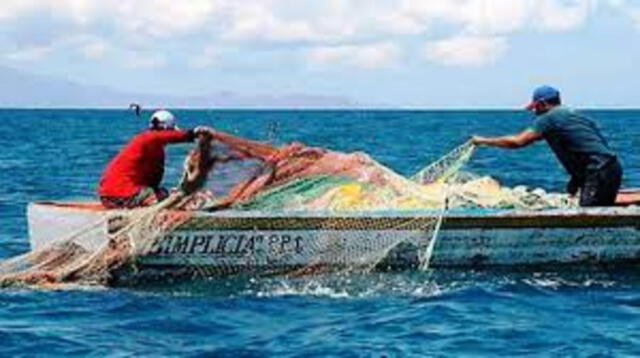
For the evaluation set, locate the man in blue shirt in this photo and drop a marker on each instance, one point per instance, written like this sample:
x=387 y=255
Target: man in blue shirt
x=577 y=142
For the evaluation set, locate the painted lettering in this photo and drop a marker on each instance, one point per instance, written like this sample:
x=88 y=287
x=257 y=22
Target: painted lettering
x=273 y=241
x=298 y=240
x=240 y=239
x=222 y=243
x=205 y=249
x=181 y=244
x=250 y=245
x=228 y=244
x=167 y=245
x=284 y=240
x=161 y=245
x=196 y=242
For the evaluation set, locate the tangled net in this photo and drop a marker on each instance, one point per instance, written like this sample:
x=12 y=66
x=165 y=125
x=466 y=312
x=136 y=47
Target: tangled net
x=226 y=172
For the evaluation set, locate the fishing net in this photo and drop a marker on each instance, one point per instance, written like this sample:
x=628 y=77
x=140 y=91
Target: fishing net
x=305 y=179
x=354 y=228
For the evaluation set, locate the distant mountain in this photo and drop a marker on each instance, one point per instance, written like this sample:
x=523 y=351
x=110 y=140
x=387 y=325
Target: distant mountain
x=24 y=90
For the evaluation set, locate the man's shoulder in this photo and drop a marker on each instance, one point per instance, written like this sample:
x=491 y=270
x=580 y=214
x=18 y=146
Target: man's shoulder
x=149 y=137
x=151 y=134
x=556 y=115
x=558 y=112
x=569 y=115
x=545 y=122
x=142 y=136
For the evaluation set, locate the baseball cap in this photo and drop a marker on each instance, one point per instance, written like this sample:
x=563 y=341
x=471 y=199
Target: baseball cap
x=543 y=93
x=163 y=119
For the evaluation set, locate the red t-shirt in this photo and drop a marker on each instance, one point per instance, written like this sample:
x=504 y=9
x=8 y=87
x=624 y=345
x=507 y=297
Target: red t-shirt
x=140 y=163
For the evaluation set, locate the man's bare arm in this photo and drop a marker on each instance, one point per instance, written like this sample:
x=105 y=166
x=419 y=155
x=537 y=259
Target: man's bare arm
x=515 y=141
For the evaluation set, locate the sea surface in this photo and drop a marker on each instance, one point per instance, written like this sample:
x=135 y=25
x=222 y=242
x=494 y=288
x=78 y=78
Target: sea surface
x=59 y=155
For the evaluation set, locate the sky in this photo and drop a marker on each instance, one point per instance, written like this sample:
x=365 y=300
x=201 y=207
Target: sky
x=377 y=53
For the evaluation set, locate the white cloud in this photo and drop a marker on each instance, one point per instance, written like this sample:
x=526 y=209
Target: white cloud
x=399 y=23
x=163 y=18
x=497 y=16
x=475 y=16
x=207 y=58
x=324 y=30
x=11 y=9
x=89 y=46
x=145 y=60
x=94 y=50
x=563 y=16
x=466 y=50
x=364 y=56
x=30 y=54
x=627 y=8
x=79 y=11
x=635 y=15
x=253 y=20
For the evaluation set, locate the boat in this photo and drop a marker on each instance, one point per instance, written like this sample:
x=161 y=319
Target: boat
x=467 y=238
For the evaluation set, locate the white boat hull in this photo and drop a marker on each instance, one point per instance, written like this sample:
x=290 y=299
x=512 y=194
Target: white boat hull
x=244 y=240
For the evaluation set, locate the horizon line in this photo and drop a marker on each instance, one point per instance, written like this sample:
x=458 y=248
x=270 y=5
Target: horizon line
x=328 y=108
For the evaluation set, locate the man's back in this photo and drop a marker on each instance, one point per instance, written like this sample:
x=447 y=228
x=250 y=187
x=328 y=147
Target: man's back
x=139 y=164
x=575 y=139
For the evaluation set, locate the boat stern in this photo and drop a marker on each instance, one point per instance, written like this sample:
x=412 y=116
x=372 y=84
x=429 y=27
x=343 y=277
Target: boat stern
x=84 y=222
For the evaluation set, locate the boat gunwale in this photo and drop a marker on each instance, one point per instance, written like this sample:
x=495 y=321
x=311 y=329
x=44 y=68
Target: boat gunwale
x=599 y=217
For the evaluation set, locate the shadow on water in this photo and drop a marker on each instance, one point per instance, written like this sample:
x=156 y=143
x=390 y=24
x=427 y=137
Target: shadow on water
x=432 y=284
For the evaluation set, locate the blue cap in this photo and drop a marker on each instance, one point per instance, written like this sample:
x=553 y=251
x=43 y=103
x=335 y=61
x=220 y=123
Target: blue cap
x=543 y=93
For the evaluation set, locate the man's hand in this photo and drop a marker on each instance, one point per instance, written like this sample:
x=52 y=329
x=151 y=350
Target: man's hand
x=203 y=130
x=477 y=140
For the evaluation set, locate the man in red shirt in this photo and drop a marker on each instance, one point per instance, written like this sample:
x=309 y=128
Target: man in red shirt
x=132 y=179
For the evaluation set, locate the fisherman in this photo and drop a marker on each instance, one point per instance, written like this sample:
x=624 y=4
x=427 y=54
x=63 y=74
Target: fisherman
x=132 y=179
x=576 y=141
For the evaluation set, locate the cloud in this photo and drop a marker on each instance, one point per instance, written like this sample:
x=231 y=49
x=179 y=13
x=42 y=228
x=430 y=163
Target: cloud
x=255 y=21
x=466 y=50
x=207 y=58
x=89 y=46
x=635 y=15
x=462 y=32
x=30 y=54
x=94 y=50
x=563 y=16
x=627 y=9
x=364 y=56
x=472 y=16
x=163 y=18
x=11 y=9
x=141 y=60
x=78 y=11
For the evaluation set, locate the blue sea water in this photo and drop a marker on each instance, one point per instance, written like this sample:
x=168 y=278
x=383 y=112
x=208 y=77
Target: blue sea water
x=59 y=155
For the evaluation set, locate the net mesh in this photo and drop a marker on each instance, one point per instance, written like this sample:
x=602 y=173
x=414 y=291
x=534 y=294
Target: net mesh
x=229 y=173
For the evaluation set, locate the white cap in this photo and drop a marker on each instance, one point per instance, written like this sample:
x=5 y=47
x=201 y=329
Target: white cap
x=162 y=119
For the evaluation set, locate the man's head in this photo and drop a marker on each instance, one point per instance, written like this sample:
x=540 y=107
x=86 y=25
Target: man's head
x=544 y=98
x=162 y=120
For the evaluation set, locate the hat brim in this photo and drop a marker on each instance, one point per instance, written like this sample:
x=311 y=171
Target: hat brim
x=531 y=105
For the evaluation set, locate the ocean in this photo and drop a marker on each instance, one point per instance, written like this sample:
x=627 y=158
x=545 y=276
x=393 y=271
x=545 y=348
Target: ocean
x=60 y=154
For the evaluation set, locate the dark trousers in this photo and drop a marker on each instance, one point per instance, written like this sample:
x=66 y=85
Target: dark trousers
x=145 y=197
x=601 y=186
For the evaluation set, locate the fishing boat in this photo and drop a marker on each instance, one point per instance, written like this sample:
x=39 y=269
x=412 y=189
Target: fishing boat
x=466 y=237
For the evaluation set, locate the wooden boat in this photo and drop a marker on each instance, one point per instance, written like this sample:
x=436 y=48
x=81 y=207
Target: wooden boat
x=467 y=238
